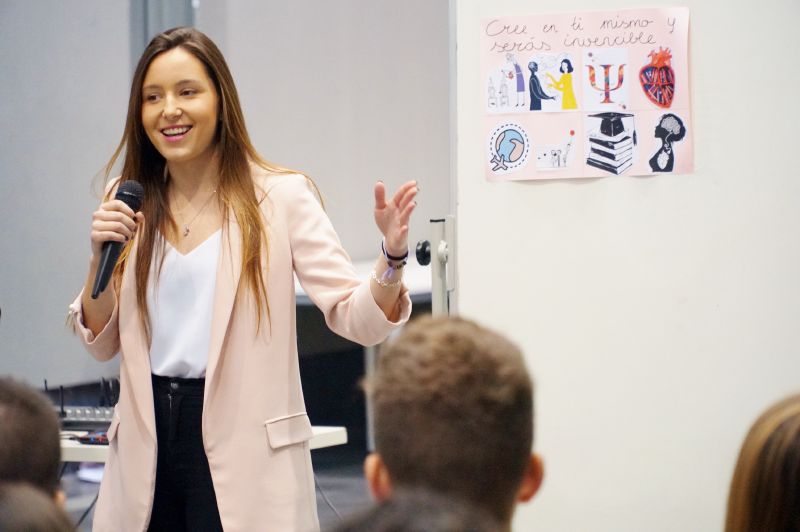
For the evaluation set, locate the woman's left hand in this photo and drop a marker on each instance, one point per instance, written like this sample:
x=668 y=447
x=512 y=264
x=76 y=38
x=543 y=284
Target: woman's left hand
x=392 y=216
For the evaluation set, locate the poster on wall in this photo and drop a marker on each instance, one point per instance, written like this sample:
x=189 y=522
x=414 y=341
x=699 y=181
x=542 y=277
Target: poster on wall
x=587 y=94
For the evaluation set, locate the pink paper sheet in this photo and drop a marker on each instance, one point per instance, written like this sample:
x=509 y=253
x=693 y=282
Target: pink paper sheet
x=609 y=95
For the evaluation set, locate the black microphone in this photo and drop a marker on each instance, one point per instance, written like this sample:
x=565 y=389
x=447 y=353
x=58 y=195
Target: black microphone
x=131 y=194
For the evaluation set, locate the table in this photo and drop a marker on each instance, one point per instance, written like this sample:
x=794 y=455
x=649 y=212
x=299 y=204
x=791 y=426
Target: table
x=74 y=451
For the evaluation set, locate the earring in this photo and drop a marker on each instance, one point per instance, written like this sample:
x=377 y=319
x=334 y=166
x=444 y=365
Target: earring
x=166 y=172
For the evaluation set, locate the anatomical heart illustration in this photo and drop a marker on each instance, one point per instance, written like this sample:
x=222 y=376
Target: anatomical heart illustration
x=658 y=78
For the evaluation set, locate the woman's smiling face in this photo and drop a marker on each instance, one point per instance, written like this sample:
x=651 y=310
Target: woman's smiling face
x=180 y=107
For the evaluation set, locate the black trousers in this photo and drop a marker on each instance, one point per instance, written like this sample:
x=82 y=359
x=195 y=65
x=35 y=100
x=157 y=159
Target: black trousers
x=184 y=496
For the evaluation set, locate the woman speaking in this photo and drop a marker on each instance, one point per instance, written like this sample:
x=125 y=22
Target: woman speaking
x=211 y=431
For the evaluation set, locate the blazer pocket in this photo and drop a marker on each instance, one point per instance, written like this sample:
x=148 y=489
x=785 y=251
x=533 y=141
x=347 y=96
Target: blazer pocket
x=111 y=433
x=286 y=430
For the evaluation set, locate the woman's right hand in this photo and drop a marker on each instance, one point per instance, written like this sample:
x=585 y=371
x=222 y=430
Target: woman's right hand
x=113 y=221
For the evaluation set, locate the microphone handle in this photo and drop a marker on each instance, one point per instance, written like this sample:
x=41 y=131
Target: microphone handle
x=108 y=260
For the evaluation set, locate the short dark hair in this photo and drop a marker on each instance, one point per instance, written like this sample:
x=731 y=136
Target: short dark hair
x=453 y=405
x=30 y=446
x=569 y=65
x=23 y=507
x=420 y=511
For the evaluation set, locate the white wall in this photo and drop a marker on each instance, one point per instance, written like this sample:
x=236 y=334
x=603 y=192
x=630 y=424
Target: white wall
x=657 y=314
x=63 y=97
x=349 y=92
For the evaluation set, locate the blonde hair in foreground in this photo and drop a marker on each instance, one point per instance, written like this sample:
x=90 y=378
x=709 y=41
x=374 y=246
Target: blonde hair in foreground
x=765 y=490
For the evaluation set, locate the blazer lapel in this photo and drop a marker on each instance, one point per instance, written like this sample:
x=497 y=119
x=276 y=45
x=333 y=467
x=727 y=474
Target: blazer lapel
x=135 y=348
x=229 y=271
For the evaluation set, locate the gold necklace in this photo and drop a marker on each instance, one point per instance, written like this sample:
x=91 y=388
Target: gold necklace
x=186 y=229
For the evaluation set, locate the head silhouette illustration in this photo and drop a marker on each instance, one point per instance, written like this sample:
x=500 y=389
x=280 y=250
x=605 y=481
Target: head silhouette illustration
x=670 y=128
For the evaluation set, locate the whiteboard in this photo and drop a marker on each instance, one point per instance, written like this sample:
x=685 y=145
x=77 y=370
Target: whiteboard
x=657 y=314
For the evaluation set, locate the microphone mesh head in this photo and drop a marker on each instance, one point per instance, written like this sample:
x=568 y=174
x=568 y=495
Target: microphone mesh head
x=131 y=193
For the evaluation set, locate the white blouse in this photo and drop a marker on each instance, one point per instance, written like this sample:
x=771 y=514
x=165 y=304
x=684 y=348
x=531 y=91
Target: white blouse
x=180 y=303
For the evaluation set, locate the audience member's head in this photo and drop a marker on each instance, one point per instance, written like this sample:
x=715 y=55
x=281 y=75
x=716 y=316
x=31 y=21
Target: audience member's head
x=24 y=508
x=420 y=511
x=765 y=490
x=453 y=405
x=30 y=446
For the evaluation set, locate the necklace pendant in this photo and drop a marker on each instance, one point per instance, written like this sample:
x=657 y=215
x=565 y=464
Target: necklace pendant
x=185 y=230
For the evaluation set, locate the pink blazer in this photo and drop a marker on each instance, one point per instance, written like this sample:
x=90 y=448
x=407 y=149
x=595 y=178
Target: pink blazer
x=255 y=427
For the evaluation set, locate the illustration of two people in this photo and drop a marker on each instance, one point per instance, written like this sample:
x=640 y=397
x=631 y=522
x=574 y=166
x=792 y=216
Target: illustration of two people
x=563 y=85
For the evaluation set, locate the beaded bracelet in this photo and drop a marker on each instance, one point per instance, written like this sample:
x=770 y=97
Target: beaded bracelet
x=395 y=264
x=383 y=283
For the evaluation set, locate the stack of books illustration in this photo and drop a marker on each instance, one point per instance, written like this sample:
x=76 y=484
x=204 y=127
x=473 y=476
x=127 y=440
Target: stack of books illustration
x=611 y=148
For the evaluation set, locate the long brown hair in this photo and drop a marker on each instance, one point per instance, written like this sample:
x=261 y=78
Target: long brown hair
x=236 y=189
x=765 y=490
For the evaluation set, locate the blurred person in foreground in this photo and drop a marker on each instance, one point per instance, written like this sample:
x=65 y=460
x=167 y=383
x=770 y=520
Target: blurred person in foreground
x=23 y=508
x=453 y=405
x=30 y=444
x=420 y=511
x=765 y=490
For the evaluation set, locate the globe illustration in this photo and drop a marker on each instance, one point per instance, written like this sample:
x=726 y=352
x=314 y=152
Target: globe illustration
x=510 y=145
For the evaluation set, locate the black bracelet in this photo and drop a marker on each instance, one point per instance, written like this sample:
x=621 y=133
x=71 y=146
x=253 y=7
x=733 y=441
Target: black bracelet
x=392 y=258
